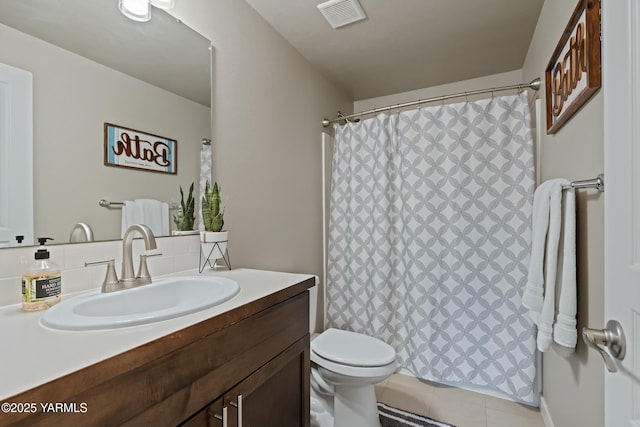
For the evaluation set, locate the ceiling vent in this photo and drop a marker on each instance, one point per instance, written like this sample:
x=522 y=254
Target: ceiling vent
x=342 y=12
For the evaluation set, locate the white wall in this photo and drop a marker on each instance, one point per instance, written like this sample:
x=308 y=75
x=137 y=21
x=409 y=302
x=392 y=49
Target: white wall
x=268 y=106
x=494 y=80
x=573 y=386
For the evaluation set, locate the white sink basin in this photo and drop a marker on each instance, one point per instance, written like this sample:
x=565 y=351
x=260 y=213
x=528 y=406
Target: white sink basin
x=161 y=300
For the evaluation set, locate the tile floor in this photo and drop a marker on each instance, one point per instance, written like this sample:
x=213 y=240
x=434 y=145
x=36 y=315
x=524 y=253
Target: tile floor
x=459 y=407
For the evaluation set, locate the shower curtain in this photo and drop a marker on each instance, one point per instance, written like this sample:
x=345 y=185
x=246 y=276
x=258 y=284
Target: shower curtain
x=429 y=234
x=205 y=175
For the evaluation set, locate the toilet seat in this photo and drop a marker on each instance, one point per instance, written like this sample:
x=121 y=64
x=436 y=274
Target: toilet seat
x=352 y=354
x=351 y=348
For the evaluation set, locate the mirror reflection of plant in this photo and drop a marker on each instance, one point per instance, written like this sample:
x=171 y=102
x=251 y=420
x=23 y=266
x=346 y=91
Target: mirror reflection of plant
x=212 y=215
x=186 y=211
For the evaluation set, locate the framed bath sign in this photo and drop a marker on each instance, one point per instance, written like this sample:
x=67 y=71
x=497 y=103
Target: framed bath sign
x=574 y=72
x=130 y=148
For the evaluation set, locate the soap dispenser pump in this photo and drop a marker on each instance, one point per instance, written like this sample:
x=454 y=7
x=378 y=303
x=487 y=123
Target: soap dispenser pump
x=42 y=282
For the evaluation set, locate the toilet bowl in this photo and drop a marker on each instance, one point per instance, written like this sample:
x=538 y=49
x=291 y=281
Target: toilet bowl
x=346 y=366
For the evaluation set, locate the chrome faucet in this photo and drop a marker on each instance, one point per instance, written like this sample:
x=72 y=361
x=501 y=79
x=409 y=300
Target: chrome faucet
x=81 y=228
x=128 y=277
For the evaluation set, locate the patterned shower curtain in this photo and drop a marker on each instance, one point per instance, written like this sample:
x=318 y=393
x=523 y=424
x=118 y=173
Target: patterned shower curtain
x=205 y=175
x=429 y=234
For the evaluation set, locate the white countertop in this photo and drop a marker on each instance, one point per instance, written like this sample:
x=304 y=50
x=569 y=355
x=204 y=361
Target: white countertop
x=32 y=355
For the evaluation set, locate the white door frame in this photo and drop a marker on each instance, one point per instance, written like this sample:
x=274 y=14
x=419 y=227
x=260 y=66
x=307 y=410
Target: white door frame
x=621 y=85
x=16 y=156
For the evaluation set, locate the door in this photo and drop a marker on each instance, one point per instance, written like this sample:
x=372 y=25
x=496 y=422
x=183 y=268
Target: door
x=621 y=85
x=16 y=156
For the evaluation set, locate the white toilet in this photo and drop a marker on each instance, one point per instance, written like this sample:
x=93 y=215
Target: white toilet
x=345 y=367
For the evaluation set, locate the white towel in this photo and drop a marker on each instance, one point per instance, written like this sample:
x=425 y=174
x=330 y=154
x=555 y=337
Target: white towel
x=547 y=315
x=534 y=290
x=565 y=331
x=540 y=290
x=152 y=213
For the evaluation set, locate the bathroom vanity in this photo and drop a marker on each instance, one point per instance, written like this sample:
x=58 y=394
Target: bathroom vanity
x=246 y=361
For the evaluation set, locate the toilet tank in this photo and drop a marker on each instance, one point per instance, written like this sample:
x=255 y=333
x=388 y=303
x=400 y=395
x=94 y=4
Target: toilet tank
x=314 y=323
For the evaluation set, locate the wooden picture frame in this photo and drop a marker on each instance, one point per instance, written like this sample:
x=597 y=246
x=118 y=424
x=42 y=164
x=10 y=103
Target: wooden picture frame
x=574 y=72
x=129 y=148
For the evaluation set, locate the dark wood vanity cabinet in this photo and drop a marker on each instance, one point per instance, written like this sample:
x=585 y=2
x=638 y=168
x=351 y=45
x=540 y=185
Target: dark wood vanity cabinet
x=251 y=363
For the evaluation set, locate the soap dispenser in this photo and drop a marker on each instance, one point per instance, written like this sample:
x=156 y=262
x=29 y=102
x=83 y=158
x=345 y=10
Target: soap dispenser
x=42 y=282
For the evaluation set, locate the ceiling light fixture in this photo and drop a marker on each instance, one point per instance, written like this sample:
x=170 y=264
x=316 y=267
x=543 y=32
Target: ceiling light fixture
x=137 y=10
x=162 y=4
x=140 y=10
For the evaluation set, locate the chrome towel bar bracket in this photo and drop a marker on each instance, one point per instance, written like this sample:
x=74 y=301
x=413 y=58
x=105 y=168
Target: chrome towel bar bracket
x=597 y=183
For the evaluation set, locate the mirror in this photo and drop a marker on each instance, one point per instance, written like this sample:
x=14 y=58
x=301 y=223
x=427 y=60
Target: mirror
x=91 y=66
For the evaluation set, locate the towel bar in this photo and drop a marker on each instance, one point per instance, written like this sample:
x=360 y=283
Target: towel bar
x=597 y=183
x=107 y=204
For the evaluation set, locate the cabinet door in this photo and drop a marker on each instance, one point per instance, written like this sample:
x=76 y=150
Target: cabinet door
x=211 y=416
x=276 y=395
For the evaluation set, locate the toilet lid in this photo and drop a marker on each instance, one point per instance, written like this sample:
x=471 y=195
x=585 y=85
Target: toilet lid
x=350 y=348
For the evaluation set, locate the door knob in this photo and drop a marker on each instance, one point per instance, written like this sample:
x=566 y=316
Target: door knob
x=609 y=342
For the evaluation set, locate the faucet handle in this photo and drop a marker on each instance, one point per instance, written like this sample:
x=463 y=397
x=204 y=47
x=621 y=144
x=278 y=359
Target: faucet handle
x=144 y=277
x=110 y=282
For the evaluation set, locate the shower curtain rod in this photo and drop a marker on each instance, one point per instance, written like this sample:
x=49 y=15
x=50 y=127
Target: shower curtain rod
x=534 y=84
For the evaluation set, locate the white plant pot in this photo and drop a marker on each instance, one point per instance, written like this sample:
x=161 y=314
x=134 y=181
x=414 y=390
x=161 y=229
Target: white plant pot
x=214 y=243
x=184 y=232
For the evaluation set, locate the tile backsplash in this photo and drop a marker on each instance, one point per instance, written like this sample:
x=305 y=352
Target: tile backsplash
x=179 y=253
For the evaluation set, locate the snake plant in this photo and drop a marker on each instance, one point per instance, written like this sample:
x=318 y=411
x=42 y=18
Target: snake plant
x=212 y=215
x=186 y=217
